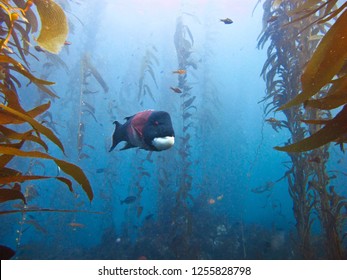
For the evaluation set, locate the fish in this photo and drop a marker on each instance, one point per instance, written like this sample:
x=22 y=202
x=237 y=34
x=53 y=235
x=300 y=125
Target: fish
x=67 y=43
x=76 y=225
x=272 y=120
x=128 y=200
x=6 y=253
x=176 y=89
x=211 y=201
x=39 y=49
x=149 y=130
x=100 y=170
x=179 y=71
x=149 y=216
x=227 y=21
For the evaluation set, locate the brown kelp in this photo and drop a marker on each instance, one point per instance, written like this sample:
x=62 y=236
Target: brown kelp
x=149 y=61
x=88 y=74
x=12 y=113
x=293 y=47
x=324 y=77
x=21 y=134
x=184 y=41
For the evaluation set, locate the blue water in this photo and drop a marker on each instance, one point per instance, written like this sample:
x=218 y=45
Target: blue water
x=230 y=150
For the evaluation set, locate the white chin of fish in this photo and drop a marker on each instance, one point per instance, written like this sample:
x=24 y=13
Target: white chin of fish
x=163 y=143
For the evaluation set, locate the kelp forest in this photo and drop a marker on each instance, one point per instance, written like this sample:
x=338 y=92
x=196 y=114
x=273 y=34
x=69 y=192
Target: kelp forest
x=255 y=91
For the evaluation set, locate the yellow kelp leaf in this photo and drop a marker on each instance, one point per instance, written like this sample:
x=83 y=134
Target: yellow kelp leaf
x=76 y=173
x=35 y=124
x=26 y=136
x=54 y=26
x=326 y=62
x=22 y=178
x=73 y=170
x=333 y=129
x=21 y=69
x=7 y=118
x=336 y=96
x=13 y=102
x=5 y=159
x=39 y=110
x=8 y=194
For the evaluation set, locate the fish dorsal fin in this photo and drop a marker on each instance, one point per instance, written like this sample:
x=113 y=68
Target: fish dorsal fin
x=128 y=118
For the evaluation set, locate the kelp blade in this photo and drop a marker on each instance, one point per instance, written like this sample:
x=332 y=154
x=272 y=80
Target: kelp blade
x=73 y=170
x=23 y=178
x=54 y=24
x=337 y=96
x=8 y=194
x=334 y=129
x=35 y=124
x=326 y=62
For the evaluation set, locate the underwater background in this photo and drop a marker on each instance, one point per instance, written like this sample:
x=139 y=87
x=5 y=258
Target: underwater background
x=221 y=192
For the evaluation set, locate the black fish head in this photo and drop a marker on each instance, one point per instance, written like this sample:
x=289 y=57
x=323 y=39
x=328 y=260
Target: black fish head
x=158 y=133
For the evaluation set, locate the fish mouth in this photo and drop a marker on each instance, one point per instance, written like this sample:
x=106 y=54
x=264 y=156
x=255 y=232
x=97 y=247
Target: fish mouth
x=163 y=143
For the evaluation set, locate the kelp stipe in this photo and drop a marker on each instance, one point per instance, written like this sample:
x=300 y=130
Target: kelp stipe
x=149 y=61
x=88 y=73
x=290 y=47
x=183 y=40
x=280 y=72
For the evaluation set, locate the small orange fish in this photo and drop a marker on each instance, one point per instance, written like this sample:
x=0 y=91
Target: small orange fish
x=211 y=201
x=272 y=120
x=179 y=71
x=176 y=89
x=76 y=225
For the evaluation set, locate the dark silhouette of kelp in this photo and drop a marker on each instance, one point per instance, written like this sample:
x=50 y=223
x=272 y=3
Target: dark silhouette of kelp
x=294 y=47
x=89 y=74
x=183 y=220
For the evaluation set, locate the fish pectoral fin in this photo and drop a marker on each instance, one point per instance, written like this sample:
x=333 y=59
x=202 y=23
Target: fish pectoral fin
x=127 y=146
x=138 y=132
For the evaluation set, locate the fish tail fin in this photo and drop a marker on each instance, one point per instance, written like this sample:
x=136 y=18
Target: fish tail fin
x=118 y=135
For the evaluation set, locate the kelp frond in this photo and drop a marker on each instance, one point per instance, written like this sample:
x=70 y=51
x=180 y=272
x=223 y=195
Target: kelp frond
x=325 y=69
x=54 y=30
x=20 y=21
